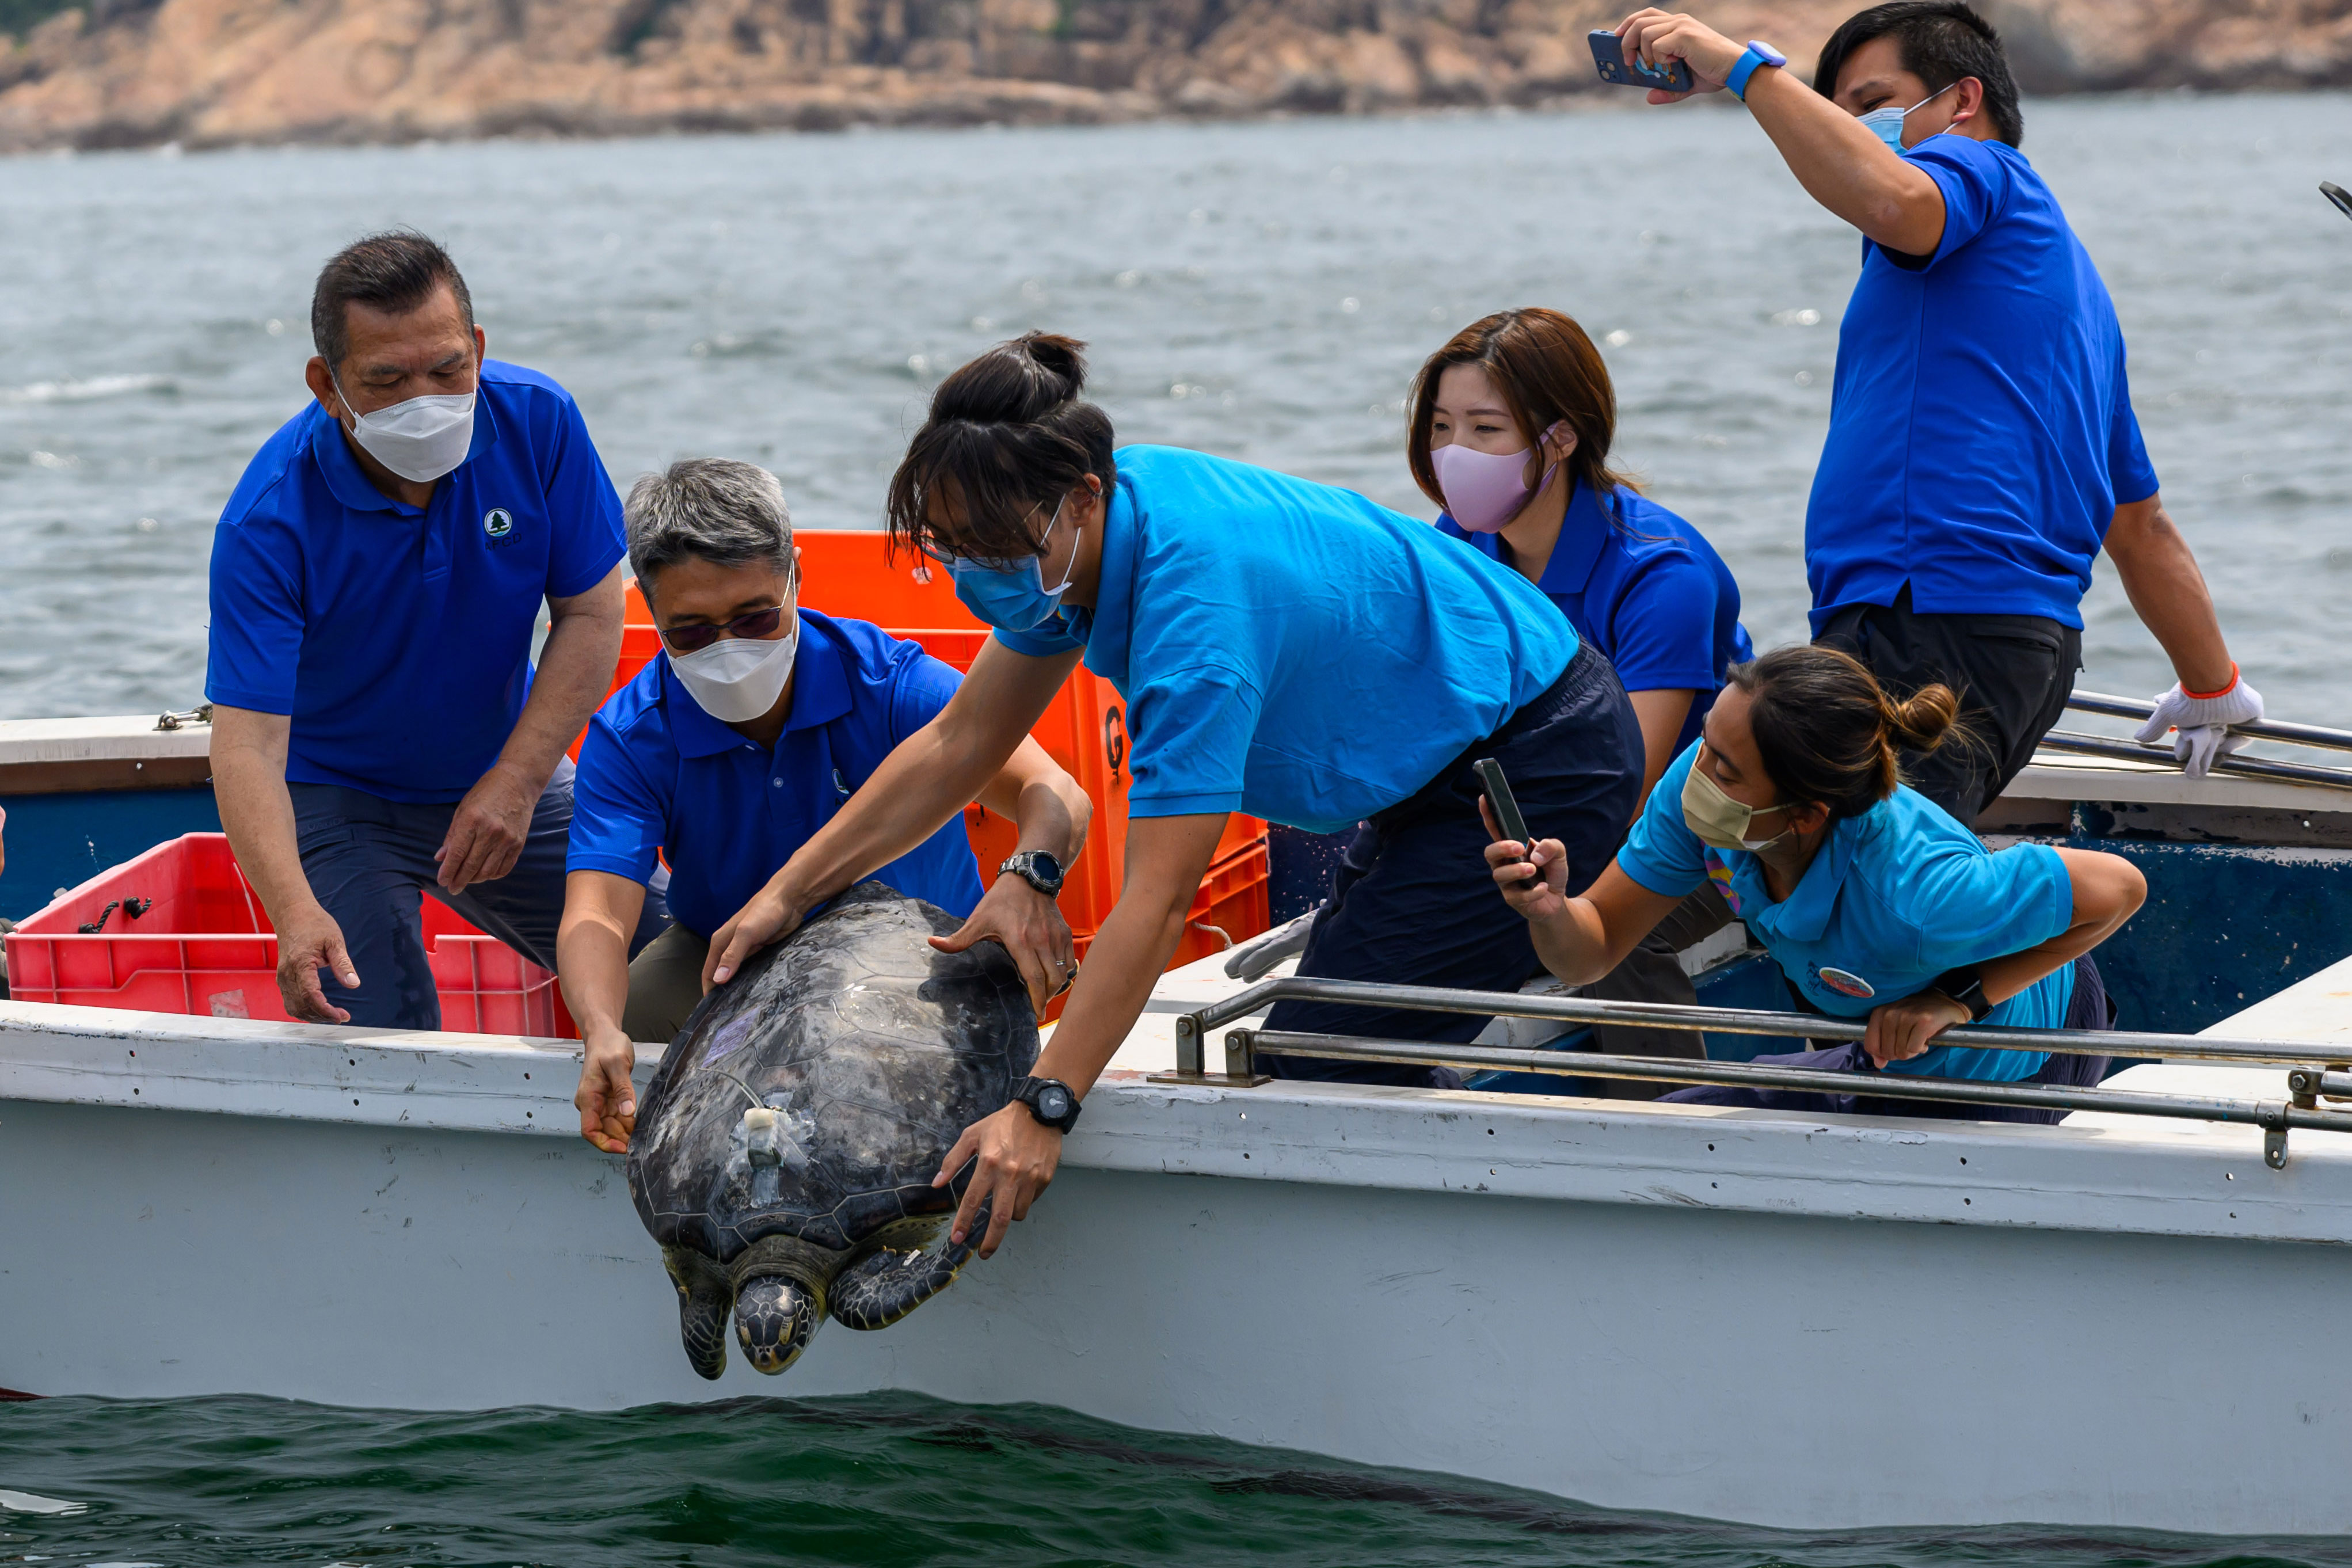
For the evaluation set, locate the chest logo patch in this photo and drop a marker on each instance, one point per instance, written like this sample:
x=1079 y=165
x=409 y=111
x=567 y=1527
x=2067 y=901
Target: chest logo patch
x=498 y=523
x=1843 y=983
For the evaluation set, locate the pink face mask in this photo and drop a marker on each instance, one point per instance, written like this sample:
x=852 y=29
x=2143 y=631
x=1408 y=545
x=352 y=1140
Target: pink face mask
x=1484 y=490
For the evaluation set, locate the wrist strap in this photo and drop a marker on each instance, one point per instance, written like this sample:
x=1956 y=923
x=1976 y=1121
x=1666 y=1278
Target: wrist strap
x=1741 y=70
x=2209 y=696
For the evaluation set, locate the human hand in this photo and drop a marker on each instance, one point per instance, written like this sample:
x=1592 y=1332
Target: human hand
x=1534 y=881
x=1901 y=1030
x=1013 y=1158
x=1032 y=931
x=309 y=940
x=770 y=917
x=2203 y=722
x=487 y=832
x=608 y=1100
x=1661 y=38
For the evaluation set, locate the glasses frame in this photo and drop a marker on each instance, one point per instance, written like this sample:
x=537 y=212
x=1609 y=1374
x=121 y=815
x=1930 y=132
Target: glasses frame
x=756 y=626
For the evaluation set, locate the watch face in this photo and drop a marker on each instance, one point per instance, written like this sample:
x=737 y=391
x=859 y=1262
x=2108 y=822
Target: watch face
x=1047 y=866
x=1053 y=1102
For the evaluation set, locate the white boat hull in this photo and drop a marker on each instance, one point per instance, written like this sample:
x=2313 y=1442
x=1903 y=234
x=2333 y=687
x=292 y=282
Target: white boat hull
x=1824 y=1323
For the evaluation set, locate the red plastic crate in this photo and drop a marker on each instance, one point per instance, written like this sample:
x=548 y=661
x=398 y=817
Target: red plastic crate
x=204 y=946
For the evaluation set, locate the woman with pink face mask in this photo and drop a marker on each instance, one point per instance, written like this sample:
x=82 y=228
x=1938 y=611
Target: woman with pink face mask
x=1512 y=424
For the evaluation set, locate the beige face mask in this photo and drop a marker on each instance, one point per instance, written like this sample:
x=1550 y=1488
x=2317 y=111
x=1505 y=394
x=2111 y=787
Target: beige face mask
x=1721 y=822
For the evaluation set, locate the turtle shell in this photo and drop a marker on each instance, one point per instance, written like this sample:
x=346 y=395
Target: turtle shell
x=872 y=1051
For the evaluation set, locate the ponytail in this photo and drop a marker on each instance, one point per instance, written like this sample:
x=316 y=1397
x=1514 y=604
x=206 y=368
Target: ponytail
x=1008 y=436
x=1828 y=733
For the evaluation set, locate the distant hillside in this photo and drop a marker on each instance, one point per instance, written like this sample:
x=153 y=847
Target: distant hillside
x=112 y=73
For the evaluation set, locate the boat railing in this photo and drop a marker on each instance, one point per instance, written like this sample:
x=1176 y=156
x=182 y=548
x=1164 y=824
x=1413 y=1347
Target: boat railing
x=2160 y=752
x=2316 y=1072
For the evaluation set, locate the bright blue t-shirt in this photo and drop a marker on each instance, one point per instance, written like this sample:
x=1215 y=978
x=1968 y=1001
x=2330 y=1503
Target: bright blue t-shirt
x=1645 y=588
x=1981 y=432
x=1896 y=896
x=1291 y=649
x=658 y=773
x=398 y=640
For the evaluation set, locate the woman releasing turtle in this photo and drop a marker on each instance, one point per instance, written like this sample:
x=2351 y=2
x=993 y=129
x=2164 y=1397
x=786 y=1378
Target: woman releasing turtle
x=1873 y=901
x=1285 y=649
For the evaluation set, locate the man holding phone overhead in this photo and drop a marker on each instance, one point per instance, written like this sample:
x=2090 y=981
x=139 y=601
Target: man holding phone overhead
x=1981 y=448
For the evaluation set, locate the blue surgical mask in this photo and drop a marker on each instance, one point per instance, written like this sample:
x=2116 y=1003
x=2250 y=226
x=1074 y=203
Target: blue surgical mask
x=1886 y=122
x=1013 y=598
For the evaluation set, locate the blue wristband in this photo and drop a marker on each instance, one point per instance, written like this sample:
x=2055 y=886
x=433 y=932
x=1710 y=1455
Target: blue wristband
x=1757 y=56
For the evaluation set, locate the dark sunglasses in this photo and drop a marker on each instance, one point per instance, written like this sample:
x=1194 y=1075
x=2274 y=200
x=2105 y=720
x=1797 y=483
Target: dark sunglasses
x=700 y=635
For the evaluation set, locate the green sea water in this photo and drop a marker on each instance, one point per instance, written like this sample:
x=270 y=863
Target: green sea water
x=880 y=1480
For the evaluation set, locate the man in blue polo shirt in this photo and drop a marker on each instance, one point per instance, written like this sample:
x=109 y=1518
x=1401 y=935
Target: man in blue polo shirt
x=1982 y=447
x=754 y=727
x=379 y=732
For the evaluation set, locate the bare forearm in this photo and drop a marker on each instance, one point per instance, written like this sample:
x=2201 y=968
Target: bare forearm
x=1122 y=966
x=575 y=671
x=592 y=957
x=2167 y=592
x=1574 y=945
x=257 y=814
x=1047 y=808
x=1845 y=167
x=918 y=786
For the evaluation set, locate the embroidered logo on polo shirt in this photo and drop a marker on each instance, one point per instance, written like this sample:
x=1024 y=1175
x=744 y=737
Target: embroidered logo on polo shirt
x=498 y=523
x=1843 y=982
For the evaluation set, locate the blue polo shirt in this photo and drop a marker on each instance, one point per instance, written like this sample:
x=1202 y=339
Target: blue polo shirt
x=1980 y=431
x=1896 y=896
x=1647 y=589
x=1292 y=650
x=658 y=773
x=398 y=640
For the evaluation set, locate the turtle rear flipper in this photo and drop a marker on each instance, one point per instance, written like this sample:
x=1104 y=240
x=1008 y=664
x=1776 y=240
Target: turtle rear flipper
x=704 y=1299
x=884 y=1286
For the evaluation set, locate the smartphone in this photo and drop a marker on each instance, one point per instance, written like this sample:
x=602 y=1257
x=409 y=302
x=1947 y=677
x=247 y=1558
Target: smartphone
x=1609 y=58
x=1507 y=808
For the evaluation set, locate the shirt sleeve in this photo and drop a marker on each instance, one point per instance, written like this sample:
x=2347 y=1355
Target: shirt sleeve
x=1191 y=733
x=924 y=685
x=583 y=510
x=1976 y=187
x=618 y=819
x=2130 y=473
x=1661 y=852
x=1665 y=627
x=1978 y=907
x=254 y=642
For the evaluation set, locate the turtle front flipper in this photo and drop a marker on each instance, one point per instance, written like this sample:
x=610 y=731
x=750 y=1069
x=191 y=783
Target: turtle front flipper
x=773 y=1319
x=704 y=1296
x=884 y=1285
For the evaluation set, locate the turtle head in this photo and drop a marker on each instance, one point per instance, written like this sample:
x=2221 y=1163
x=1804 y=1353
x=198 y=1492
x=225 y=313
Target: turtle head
x=774 y=1316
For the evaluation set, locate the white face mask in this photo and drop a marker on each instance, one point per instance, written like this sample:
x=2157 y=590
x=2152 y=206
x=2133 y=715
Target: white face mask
x=420 y=440
x=737 y=680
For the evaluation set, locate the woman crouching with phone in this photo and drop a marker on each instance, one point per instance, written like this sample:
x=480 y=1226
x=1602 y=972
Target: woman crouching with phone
x=1872 y=900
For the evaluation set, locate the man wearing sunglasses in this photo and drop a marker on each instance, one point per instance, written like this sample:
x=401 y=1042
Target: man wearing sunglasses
x=379 y=730
x=723 y=756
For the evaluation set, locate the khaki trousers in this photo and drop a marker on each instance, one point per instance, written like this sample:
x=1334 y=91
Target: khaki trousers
x=665 y=984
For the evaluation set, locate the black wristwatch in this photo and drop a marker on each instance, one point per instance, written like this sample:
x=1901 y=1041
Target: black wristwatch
x=1965 y=986
x=1037 y=868
x=1049 y=1100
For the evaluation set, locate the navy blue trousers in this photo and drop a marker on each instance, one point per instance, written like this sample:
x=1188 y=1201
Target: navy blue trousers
x=370 y=861
x=1412 y=902
x=2090 y=1009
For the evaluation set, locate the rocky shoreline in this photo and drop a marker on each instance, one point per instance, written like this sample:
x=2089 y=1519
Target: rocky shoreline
x=209 y=73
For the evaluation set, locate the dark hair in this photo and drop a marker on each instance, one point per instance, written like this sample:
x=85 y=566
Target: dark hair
x=1828 y=733
x=394 y=271
x=1547 y=372
x=1938 y=41
x=1007 y=435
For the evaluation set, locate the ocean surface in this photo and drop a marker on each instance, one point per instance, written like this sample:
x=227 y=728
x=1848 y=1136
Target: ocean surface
x=878 y=1482
x=1261 y=290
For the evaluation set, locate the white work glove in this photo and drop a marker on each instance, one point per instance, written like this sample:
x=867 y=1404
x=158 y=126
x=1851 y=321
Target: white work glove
x=2204 y=722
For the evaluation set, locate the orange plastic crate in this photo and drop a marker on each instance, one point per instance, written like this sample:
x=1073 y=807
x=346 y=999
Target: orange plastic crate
x=848 y=574
x=204 y=946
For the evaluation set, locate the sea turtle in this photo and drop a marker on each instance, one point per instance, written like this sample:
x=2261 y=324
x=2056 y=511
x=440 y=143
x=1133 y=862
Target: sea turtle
x=783 y=1155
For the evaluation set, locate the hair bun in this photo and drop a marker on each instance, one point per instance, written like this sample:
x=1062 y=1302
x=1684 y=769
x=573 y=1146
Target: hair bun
x=1015 y=383
x=1924 y=719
